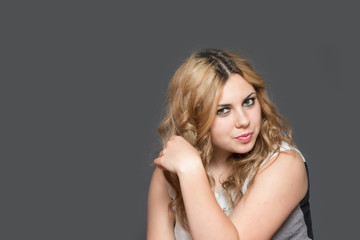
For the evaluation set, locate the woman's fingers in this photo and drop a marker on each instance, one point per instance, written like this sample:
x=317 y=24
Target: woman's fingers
x=176 y=154
x=159 y=163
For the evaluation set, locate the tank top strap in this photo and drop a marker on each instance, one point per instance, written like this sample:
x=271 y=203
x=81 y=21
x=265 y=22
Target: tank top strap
x=284 y=147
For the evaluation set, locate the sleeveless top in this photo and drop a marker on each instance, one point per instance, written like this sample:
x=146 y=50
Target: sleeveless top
x=297 y=226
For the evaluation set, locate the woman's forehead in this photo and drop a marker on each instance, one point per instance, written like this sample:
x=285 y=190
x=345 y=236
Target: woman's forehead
x=236 y=87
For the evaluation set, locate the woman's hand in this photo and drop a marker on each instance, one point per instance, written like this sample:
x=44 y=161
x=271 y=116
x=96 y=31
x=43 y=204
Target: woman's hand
x=178 y=155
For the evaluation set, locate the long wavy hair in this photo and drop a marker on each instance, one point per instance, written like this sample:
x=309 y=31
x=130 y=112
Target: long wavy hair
x=193 y=95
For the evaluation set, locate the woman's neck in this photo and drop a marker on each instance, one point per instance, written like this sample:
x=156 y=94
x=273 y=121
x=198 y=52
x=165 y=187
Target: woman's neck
x=220 y=167
x=220 y=157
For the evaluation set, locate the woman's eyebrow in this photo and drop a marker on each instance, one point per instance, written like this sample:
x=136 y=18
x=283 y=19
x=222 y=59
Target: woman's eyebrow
x=224 y=105
x=228 y=105
x=249 y=95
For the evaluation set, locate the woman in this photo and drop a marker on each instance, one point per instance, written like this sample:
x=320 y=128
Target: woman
x=228 y=168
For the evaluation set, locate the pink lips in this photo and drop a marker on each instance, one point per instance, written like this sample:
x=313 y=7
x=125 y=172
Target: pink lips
x=245 y=137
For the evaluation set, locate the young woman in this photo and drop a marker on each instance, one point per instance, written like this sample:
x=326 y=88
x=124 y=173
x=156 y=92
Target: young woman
x=228 y=168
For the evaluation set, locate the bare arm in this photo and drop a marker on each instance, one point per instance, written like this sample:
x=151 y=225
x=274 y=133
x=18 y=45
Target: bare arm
x=160 y=222
x=276 y=190
x=205 y=217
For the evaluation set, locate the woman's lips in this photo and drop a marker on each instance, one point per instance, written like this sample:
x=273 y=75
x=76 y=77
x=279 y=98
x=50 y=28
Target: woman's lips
x=245 y=137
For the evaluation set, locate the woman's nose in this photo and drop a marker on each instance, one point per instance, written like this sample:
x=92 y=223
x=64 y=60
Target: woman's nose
x=241 y=119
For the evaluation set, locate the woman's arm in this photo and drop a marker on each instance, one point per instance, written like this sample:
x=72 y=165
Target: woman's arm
x=160 y=223
x=275 y=192
x=205 y=217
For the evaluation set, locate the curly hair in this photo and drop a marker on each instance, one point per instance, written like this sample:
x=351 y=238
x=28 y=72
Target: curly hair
x=193 y=95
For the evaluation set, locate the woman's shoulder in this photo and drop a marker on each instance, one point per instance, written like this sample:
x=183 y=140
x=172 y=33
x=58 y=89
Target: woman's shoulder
x=285 y=151
x=286 y=147
x=159 y=182
x=288 y=157
x=158 y=177
x=287 y=166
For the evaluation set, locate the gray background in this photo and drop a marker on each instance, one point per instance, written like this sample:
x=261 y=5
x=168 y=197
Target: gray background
x=83 y=87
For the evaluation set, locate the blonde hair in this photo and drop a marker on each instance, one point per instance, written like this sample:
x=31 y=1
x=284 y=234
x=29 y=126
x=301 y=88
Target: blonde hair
x=193 y=94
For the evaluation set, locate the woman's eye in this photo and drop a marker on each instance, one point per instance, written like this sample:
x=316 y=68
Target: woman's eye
x=222 y=111
x=249 y=102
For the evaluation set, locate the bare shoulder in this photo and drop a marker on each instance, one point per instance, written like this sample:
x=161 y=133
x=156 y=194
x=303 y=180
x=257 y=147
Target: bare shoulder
x=158 y=177
x=288 y=159
x=288 y=168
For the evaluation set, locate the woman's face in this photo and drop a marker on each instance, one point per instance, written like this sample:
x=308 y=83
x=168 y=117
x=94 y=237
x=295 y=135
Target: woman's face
x=237 y=123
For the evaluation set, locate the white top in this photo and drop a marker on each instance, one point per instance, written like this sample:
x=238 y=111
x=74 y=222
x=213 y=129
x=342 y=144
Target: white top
x=224 y=203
